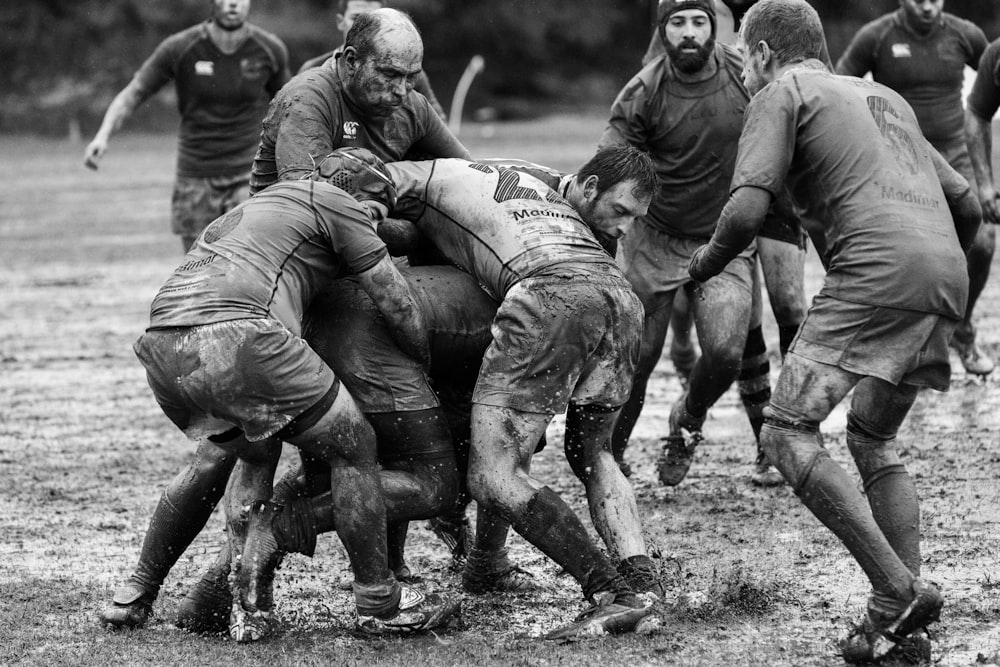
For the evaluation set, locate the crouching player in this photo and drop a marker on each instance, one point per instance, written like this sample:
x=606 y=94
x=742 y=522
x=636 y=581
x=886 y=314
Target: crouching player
x=226 y=361
x=897 y=221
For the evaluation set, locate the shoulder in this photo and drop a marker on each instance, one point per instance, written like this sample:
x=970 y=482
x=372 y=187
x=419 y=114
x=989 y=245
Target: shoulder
x=646 y=81
x=876 y=30
x=729 y=56
x=971 y=34
x=270 y=43
x=183 y=40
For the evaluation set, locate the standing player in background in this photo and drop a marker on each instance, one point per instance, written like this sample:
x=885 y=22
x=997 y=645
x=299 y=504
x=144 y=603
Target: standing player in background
x=899 y=220
x=981 y=107
x=921 y=52
x=347 y=11
x=225 y=71
x=364 y=98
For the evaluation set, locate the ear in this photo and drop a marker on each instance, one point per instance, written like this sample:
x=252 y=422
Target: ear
x=351 y=60
x=762 y=50
x=590 y=187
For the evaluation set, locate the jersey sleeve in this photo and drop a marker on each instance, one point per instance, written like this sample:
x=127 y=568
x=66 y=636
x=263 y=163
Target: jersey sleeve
x=768 y=140
x=628 y=120
x=303 y=136
x=984 y=100
x=158 y=70
x=349 y=228
x=281 y=72
x=977 y=43
x=859 y=57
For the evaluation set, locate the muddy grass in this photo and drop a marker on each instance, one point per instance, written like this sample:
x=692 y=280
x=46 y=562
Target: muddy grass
x=84 y=453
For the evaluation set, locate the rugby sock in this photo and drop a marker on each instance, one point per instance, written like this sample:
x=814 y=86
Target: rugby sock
x=786 y=334
x=549 y=524
x=825 y=488
x=754 y=380
x=641 y=574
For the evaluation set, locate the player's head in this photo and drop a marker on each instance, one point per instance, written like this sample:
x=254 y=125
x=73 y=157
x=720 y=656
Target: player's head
x=922 y=15
x=775 y=33
x=687 y=28
x=230 y=14
x=614 y=188
x=349 y=10
x=382 y=55
x=359 y=173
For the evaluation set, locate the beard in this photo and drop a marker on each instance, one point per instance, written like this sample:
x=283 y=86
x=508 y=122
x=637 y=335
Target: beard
x=690 y=62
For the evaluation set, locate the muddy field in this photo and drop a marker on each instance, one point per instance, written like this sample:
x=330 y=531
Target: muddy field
x=85 y=452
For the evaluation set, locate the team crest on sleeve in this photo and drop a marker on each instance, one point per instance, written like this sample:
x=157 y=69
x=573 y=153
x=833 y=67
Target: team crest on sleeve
x=222 y=226
x=204 y=68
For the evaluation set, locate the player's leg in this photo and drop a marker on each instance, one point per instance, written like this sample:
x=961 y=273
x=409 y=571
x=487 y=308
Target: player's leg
x=980 y=258
x=181 y=513
x=783 y=265
x=682 y=350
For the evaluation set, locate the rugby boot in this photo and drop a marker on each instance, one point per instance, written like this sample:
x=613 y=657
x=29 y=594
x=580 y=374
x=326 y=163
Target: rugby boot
x=131 y=607
x=205 y=609
x=613 y=614
x=493 y=572
x=765 y=474
x=882 y=633
x=417 y=612
x=456 y=533
x=963 y=341
x=678 y=448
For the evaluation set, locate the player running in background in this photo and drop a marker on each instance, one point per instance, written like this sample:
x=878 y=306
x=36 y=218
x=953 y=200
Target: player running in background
x=898 y=220
x=921 y=52
x=225 y=71
x=363 y=99
x=347 y=11
x=982 y=106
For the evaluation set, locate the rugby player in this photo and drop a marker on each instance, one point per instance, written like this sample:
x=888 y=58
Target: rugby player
x=364 y=98
x=226 y=361
x=898 y=220
x=921 y=52
x=981 y=107
x=566 y=334
x=347 y=11
x=225 y=71
x=686 y=109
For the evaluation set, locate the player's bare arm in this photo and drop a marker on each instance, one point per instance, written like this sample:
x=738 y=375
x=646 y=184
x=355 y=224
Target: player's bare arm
x=979 y=137
x=962 y=201
x=125 y=102
x=738 y=226
x=388 y=289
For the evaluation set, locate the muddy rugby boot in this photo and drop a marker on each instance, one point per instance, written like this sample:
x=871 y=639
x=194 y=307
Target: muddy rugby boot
x=493 y=572
x=881 y=633
x=205 y=609
x=417 y=612
x=612 y=615
x=678 y=448
x=131 y=607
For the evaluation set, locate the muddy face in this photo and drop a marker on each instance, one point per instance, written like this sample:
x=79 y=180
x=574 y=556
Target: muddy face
x=379 y=83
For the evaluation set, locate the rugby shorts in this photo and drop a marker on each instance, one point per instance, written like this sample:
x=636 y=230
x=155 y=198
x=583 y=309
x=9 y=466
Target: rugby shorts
x=196 y=202
x=898 y=346
x=252 y=373
x=562 y=339
x=656 y=264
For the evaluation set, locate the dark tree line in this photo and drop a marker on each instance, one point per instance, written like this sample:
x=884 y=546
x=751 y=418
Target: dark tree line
x=65 y=59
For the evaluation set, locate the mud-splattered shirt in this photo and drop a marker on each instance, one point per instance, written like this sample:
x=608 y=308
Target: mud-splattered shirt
x=269 y=257
x=311 y=117
x=891 y=238
x=222 y=97
x=498 y=224
x=927 y=70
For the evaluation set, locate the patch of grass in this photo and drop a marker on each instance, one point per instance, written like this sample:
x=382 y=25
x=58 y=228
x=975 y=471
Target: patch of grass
x=734 y=592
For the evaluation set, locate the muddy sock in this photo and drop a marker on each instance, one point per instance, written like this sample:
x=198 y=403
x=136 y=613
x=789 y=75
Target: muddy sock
x=641 y=574
x=550 y=525
x=786 y=334
x=294 y=527
x=755 y=379
x=892 y=497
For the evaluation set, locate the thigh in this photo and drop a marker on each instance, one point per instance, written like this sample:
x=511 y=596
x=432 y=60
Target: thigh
x=722 y=307
x=881 y=406
x=783 y=265
x=807 y=390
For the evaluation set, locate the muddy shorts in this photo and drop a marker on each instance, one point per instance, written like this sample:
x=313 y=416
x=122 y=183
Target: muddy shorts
x=656 y=264
x=782 y=224
x=197 y=202
x=558 y=339
x=898 y=346
x=253 y=374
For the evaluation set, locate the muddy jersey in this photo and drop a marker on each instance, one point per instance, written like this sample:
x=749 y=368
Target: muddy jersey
x=269 y=257
x=498 y=224
x=691 y=131
x=927 y=70
x=891 y=238
x=311 y=117
x=221 y=97
x=984 y=100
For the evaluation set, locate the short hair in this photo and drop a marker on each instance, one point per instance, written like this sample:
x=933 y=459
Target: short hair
x=791 y=28
x=617 y=163
x=362 y=34
x=341 y=5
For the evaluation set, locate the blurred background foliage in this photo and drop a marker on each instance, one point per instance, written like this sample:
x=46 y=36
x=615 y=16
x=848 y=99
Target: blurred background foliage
x=65 y=59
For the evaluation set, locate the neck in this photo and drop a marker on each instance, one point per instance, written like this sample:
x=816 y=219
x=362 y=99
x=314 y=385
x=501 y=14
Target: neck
x=227 y=41
x=919 y=28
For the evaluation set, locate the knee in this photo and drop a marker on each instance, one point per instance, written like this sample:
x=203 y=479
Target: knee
x=793 y=448
x=442 y=487
x=483 y=487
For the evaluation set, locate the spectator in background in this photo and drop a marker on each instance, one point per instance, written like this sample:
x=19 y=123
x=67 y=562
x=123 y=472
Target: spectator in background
x=364 y=98
x=225 y=71
x=920 y=51
x=347 y=11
